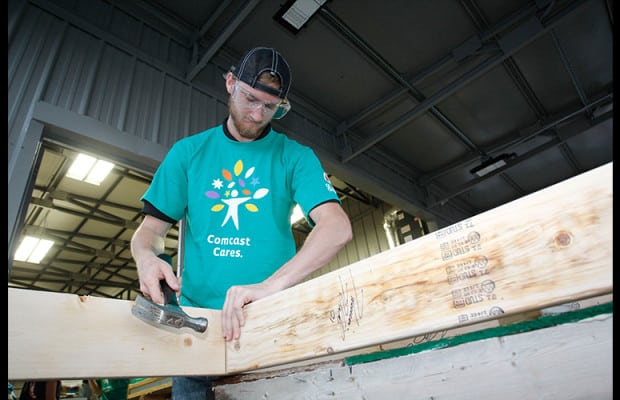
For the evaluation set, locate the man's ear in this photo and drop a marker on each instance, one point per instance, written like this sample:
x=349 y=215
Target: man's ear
x=230 y=82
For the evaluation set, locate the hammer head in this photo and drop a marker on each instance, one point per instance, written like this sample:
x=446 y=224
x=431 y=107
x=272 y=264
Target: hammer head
x=167 y=315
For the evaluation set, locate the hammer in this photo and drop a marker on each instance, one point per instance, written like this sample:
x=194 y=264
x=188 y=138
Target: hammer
x=168 y=314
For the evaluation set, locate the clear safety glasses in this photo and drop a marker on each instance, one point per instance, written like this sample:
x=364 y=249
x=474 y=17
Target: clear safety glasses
x=248 y=101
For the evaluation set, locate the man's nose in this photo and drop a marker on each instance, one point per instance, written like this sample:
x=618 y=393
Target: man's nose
x=257 y=113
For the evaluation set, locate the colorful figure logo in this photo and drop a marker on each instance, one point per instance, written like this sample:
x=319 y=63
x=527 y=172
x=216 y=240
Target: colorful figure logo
x=233 y=191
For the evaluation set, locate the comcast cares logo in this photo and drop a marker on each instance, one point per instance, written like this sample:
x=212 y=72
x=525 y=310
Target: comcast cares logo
x=234 y=189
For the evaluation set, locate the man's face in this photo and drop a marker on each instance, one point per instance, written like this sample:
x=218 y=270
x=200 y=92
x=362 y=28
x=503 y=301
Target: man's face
x=250 y=109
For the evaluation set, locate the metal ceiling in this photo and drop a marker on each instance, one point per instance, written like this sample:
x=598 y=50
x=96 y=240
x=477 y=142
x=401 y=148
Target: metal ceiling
x=419 y=93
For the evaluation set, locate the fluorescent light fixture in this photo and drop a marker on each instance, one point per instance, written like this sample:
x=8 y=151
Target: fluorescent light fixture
x=296 y=13
x=492 y=164
x=88 y=169
x=33 y=249
x=99 y=172
x=297 y=215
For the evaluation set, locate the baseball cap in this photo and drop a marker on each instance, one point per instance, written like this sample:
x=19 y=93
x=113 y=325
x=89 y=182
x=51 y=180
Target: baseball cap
x=264 y=59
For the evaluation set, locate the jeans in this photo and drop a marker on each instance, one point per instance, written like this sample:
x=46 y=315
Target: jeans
x=192 y=388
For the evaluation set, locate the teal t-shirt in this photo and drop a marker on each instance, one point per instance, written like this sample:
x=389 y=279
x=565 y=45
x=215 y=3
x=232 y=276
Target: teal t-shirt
x=113 y=389
x=237 y=198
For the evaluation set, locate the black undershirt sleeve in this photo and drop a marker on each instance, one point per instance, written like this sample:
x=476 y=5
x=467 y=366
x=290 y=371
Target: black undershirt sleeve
x=149 y=209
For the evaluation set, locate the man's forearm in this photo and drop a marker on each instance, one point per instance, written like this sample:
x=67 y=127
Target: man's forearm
x=322 y=244
x=146 y=240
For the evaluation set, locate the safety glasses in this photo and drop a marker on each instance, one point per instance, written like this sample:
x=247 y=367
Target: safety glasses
x=246 y=100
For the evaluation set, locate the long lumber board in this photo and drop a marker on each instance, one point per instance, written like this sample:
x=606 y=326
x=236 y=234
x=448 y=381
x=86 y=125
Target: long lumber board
x=59 y=335
x=548 y=248
x=571 y=361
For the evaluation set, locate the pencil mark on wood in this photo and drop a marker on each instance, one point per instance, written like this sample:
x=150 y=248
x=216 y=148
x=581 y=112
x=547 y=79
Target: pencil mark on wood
x=350 y=307
x=427 y=337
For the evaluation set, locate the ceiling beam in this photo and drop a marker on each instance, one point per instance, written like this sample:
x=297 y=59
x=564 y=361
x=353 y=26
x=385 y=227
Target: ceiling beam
x=568 y=132
x=224 y=36
x=522 y=135
x=509 y=43
x=397 y=76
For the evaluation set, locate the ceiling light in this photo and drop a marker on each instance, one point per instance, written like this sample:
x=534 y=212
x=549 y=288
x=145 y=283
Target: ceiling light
x=491 y=164
x=33 y=249
x=88 y=169
x=297 y=215
x=294 y=14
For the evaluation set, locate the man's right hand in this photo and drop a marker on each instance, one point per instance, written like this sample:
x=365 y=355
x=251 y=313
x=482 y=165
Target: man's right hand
x=147 y=242
x=151 y=270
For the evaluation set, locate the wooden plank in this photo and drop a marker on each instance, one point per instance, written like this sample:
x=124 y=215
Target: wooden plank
x=58 y=335
x=572 y=361
x=544 y=249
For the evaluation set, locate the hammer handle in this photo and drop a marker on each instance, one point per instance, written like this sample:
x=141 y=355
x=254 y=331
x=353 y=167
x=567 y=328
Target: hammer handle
x=170 y=296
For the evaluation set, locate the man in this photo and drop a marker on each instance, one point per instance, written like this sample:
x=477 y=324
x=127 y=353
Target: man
x=236 y=185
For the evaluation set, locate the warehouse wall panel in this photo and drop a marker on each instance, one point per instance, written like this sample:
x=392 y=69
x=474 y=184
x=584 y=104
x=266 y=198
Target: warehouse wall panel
x=110 y=94
x=31 y=56
x=70 y=83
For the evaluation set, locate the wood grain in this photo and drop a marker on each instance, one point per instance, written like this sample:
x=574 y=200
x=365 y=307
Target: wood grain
x=544 y=249
x=58 y=335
